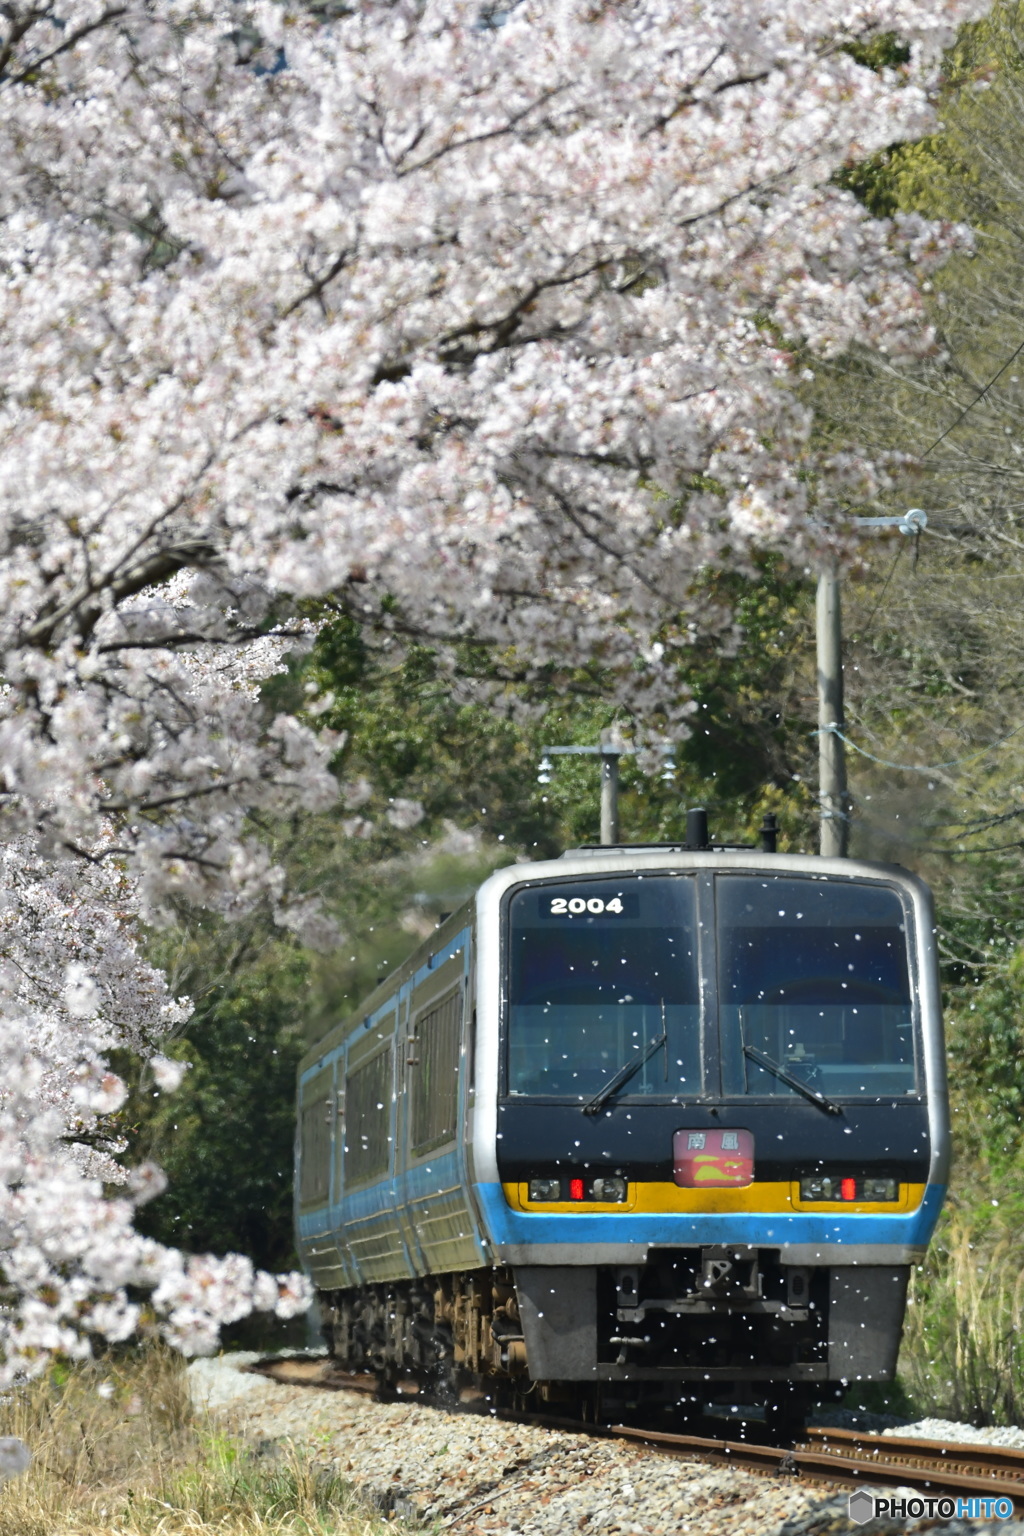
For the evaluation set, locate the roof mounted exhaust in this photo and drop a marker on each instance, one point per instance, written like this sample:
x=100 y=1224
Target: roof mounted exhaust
x=697 y=829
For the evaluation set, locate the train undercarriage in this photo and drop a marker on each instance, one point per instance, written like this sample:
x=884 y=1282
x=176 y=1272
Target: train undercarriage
x=690 y=1328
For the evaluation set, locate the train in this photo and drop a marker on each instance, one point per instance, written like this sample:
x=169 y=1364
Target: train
x=658 y=1127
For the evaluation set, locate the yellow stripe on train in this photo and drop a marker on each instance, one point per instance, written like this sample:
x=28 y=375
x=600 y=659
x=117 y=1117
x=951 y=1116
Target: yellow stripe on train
x=764 y=1197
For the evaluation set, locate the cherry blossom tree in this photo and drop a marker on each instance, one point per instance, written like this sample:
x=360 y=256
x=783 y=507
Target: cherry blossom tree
x=478 y=322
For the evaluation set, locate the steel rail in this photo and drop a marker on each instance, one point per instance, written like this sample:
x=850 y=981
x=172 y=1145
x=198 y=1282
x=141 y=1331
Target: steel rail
x=311 y=1371
x=930 y=1467
x=840 y=1456
x=932 y=1461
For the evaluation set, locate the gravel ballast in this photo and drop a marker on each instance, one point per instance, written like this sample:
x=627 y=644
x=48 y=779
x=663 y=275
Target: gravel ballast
x=478 y=1476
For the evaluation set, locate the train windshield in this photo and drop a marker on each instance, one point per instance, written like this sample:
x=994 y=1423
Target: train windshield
x=603 y=977
x=813 y=977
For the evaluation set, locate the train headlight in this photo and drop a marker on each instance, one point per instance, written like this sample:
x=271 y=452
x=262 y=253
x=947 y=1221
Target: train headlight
x=881 y=1189
x=609 y=1188
x=545 y=1189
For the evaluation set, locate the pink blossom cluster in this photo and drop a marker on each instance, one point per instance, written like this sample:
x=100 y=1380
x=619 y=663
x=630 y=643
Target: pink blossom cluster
x=498 y=313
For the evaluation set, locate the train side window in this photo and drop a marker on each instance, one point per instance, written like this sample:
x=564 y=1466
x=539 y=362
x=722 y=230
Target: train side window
x=368 y=1119
x=316 y=1125
x=814 y=975
x=435 y=1074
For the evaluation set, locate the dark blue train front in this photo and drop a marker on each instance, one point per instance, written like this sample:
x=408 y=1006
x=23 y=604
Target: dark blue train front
x=694 y=1136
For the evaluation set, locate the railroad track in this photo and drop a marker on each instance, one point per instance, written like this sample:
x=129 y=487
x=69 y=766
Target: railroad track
x=932 y=1468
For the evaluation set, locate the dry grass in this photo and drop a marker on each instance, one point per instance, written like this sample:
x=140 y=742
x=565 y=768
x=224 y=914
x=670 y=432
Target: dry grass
x=963 y=1342
x=117 y=1452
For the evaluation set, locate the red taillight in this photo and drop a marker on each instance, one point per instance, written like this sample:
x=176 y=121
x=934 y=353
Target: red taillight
x=848 y=1189
x=576 y=1189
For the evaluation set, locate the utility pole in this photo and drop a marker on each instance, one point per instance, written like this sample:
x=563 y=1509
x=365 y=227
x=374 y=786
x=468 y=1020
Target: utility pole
x=609 y=797
x=835 y=805
x=832 y=792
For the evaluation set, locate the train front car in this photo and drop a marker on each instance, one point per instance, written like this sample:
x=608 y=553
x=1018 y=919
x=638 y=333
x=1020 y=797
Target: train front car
x=709 y=1133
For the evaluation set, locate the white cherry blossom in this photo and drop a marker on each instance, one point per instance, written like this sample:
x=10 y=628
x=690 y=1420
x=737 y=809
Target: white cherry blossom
x=167 y=1073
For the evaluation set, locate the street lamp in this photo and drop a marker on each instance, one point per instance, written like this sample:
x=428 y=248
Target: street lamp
x=609 y=756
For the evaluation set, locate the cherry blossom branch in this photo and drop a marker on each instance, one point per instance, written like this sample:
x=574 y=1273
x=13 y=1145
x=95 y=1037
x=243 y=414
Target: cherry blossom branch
x=71 y=41
x=91 y=601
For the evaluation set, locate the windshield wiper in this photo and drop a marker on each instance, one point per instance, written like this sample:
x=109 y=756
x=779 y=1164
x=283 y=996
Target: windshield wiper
x=595 y=1105
x=792 y=1081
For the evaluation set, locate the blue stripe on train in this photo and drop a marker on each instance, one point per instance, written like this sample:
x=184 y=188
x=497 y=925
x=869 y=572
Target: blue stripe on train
x=424 y=1179
x=386 y=1208
x=911 y=1229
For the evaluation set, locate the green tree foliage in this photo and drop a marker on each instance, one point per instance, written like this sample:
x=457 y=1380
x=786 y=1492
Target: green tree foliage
x=985 y=1032
x=466 y=746
x=225 y=1137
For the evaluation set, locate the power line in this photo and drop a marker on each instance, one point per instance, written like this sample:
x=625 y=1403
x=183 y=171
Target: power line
x=881 y=596
x=983 y=823
x=979 y=396
x=884 y=762
x=970 y=852
x=960 y=829
x=943 y=848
